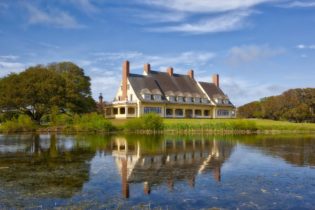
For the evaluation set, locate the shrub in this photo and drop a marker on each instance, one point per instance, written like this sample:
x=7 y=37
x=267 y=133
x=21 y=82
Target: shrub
x=4 y=116
x=91 y=123
x=22 y=123
x=148 y=122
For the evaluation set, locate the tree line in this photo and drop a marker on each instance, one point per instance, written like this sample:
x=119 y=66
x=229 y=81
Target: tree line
x=297 y=105
x=40 y=89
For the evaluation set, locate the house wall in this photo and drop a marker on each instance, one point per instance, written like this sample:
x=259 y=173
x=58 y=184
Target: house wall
x=130 y=91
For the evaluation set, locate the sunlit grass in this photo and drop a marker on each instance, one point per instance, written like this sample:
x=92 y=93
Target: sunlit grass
x=237 y=124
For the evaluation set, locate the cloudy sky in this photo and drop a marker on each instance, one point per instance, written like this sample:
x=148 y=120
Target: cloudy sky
x=259 y=47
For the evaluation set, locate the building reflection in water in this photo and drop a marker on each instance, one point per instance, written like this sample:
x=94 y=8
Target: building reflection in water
x=172 y=161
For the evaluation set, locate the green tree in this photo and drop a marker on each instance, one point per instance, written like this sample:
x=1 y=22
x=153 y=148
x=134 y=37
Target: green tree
x=78 y=97
x=294 y=105
x=39 y=89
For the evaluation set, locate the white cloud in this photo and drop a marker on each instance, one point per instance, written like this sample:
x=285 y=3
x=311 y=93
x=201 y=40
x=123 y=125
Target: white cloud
x=299 y=4
x=206 y=6
x=242 y=91
x=8 y=64
x=48 y=45
x=137 y=59
x=309 y=47
x=8 y=57
x=105 y=68
x=160 y=17
x=249 y=53
x=85 y=6
x=222 y=23
x=56 y=18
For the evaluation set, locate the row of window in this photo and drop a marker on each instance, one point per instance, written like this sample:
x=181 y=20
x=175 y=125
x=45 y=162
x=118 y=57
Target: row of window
x=157 y=110
x=188 y=112
x=177 y=112
x=222 y=101
x=170 y=112
x=223 y=112
x=152 y=97
x=175 y=99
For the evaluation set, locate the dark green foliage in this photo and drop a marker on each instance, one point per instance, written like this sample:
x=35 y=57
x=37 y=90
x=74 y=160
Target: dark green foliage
x=296 y=105
x=40 y=89
x=4 y=116
x=148 y=122
x=77 y=87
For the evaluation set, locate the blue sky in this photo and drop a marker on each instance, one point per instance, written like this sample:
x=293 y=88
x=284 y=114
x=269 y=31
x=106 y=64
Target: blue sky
x=259 y=47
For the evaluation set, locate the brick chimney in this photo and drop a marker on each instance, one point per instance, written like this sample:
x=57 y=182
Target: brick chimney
x=147 y=68
x=170 y=71
x=190 y=73
x=215 y=80
x=125 y=74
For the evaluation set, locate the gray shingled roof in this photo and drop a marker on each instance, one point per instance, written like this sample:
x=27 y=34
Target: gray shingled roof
x=213 y=91
x=168 y=85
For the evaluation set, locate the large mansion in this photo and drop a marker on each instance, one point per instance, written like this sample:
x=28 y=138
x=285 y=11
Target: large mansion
x=169 y=95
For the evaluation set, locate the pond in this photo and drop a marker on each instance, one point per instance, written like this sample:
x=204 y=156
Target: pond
x=157 y=172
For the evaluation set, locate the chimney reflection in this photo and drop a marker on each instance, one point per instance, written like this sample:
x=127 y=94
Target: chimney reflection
x=217 y=174
x=124 y=181
x=168 y=161
x=192 y=182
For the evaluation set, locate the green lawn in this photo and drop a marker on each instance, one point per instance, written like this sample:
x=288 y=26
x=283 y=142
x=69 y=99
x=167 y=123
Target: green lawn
x=229 y=124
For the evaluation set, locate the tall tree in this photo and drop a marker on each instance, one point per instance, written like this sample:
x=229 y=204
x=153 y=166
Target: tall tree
x=39 y=89
x=78 y=92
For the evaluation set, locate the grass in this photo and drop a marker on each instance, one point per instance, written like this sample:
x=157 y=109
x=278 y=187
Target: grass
x=154 y=124
x=227 y=126
x=250 y=125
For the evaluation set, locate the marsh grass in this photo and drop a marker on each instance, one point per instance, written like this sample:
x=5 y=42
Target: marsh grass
x=149 y=123
x=234 y=125
x=90 y=123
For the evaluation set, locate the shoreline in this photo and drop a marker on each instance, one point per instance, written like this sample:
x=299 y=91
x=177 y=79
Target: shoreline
x=166 y=132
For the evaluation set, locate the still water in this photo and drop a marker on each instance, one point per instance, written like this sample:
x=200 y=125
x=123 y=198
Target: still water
x=157 y=172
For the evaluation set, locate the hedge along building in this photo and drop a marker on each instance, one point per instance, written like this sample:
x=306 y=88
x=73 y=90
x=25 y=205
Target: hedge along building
x=169 y=95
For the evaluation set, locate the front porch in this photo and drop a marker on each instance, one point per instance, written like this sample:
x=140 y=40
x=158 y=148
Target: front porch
x=121 y=110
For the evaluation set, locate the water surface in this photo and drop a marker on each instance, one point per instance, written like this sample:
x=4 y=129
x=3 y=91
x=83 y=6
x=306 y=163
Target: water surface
x=109 y=172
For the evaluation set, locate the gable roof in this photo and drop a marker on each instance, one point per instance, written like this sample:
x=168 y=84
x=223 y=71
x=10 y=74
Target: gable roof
x=213 y=91
x=175 y=85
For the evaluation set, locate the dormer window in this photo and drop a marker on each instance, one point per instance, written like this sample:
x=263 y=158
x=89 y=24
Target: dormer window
x=171 y=98
x=226 y=101
x=204 y=100
x=180 y=98
x=157 y=97
x=146 y=96
x=197 y=100
x=188 y=99
x=218 y=101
